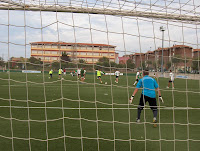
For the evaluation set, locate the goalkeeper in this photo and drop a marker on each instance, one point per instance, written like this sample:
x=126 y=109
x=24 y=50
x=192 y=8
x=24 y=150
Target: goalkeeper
x=148 y=95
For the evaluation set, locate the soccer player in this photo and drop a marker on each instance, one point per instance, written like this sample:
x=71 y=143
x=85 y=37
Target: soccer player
x=51 y=73
x=99 y=75
x=79 y=73
x=60 y=73
x=64 y=72
x=82 y=75
x=171 y=80
x=154 y=75
x=148 y=95
x=117 y=73
x=137 y=78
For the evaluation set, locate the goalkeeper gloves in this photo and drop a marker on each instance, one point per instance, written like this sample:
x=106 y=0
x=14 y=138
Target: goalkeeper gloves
x=161 y=99
x=131 y=99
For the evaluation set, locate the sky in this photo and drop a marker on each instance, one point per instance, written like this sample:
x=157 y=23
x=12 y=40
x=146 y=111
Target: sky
x=129 y=34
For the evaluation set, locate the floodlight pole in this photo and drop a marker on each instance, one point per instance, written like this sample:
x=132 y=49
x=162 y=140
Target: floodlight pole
x=162 y=30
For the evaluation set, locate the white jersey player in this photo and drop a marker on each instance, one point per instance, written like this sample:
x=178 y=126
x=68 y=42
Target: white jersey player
x=171 y=80
x=79 y=73
x=117 y=73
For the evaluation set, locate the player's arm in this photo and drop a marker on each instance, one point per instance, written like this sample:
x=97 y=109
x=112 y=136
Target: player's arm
x=159 y=93
x=139 y=85
x=133 y=95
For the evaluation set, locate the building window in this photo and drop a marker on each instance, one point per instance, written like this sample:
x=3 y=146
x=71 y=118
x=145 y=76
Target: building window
x=34 y=46
x=89 y=53
x=68 y=47
x=105 y=48
x=96 y=54
x=39 y=46
x=82 y=53
x=42 y=58
x=47 y=46
x=89 y=59
x=47 y=58
x=89 y=48
x=105 y=54
x=54 y=52
x=54 y=46
x=47 y=52
x=96 y=48
x=54 y=58
x=34 y=52
x=83 y=47
x=95 y=60
x=39 y=52
x=63 y=47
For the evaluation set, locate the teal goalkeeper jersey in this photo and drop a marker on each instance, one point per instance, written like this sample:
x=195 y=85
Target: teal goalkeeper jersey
x=149 y=85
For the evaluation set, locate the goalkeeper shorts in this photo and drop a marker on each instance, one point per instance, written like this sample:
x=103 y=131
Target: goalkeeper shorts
x=144 y=99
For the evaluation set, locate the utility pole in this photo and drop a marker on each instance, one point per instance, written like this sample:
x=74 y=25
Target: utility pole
x=162 y=29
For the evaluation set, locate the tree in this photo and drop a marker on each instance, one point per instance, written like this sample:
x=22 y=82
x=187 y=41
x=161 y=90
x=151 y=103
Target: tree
x=2 y=63
x=196 y=64
x=82 y=63
x=65 y=57
x=176 y=60
x=103 y=59
x=55 y=65
x=130 y=64
x=34 y=60
x=169 y=64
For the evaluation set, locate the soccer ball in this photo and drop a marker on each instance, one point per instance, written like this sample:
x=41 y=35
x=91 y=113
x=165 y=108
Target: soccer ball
x=105 y=82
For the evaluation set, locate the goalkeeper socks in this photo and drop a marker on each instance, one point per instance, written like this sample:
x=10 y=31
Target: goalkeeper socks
x=139 y=113
x=155 y=111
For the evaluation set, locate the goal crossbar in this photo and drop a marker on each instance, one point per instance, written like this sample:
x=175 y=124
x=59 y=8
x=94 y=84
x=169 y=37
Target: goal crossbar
x=10 y=5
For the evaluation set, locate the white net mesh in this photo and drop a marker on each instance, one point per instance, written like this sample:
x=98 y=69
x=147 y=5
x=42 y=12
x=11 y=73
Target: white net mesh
x=67 y=112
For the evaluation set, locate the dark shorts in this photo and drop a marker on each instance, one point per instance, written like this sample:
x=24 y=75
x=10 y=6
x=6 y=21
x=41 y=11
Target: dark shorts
x=59 y=74
x=50 y=75
x=117 y=76
x=99 y=77
x=137 y=80
x=152 y=102
x=171 y=81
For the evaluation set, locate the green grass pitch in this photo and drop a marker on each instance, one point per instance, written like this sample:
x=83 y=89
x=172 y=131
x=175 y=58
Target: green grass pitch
x=38 y=123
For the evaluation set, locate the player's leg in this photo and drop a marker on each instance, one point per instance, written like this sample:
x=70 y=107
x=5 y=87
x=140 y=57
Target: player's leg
x=140 y=107
x=153 y=106
x=100 y=79
x=173 y=84
x=168 y=84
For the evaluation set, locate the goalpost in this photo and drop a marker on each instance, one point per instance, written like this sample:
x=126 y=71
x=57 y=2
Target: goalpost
x=43 y=113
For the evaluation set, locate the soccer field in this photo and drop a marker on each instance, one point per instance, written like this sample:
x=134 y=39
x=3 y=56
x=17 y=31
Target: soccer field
x=38 y=114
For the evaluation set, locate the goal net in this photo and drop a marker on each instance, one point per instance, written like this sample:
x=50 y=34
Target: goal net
x=68 y=69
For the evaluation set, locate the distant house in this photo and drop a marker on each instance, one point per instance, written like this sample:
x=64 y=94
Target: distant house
x=123 y=59
x=14 y=61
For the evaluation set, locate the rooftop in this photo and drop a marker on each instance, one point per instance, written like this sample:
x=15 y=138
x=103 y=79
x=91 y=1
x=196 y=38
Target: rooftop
x=80 y=44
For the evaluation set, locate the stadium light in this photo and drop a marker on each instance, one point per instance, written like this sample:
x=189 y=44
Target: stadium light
x=162 y=29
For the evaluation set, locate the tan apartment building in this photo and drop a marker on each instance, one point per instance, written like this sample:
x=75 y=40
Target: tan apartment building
x=91 y=53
